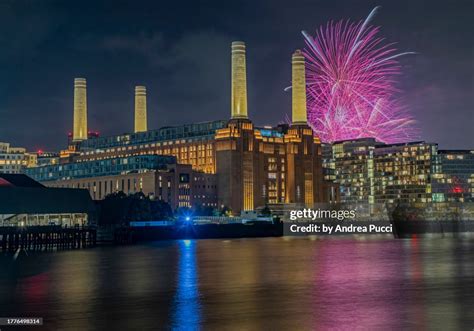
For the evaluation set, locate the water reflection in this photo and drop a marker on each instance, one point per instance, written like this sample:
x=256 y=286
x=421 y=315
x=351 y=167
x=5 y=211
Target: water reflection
x=187 y=314
x=346 y=274
x=248 y=284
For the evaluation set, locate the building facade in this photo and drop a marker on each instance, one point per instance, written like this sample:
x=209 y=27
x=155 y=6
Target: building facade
x=368 y=171
x=14 y=159
x=191 y=144
x=404 y=172
x=157 y=176
x=454 y=180
x=46 y=158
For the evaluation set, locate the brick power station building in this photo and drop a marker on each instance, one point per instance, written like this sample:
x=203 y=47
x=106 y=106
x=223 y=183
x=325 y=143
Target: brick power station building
x=257 y=167
x=231 y=164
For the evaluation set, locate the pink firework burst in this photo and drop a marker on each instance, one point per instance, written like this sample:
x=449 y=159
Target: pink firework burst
x=351 y=84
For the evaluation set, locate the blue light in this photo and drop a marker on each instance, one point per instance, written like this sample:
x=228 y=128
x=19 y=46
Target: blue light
x=187 y=218
x=270 y=133
x=187 y=303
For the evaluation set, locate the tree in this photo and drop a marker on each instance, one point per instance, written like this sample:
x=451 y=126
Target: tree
x=118 y=208
x=266 y=211
x=225 y=211
x=200 y=210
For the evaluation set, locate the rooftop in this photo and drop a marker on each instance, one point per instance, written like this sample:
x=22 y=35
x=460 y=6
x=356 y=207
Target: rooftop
x=42 y=200
x=161 y=134
x=18 y=180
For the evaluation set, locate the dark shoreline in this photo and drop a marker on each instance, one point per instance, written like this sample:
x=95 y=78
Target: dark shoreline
x=202 y=231
x=401 y=229
x=51 y=238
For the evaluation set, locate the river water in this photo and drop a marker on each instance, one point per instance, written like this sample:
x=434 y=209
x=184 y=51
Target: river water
x=247 y=284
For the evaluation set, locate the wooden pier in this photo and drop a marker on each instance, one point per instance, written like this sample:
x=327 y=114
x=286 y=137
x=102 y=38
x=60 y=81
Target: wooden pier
x=44 y=238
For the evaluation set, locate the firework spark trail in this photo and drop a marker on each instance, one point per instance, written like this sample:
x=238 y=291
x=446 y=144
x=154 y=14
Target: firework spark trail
x=351 y=84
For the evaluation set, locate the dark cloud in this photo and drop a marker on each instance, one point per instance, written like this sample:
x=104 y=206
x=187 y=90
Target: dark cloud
x=181 y=52
x=142 y=44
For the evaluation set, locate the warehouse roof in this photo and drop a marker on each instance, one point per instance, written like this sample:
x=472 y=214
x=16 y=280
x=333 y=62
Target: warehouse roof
x=18 y=180
x=43 y=200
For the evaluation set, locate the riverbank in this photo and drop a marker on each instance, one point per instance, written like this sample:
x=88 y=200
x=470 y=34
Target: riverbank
x=44 y=238
x=403 y=229
x=400 y=229
x=198 y=231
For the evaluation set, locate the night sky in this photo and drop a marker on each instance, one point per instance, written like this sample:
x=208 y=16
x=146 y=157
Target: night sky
x=181 y=51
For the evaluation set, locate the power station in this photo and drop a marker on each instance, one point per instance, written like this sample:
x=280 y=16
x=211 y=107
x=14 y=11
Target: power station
x=239 y=81
x=298 y=79
x=238 y=166
x=257 y=167
x=250 y=167
x=80 y=110
x=140 y=109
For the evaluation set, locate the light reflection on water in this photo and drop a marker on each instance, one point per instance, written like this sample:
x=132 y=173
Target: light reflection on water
x=251 y=284
x=186 y=312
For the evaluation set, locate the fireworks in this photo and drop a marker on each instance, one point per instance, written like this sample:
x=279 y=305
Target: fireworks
x=351 y=84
